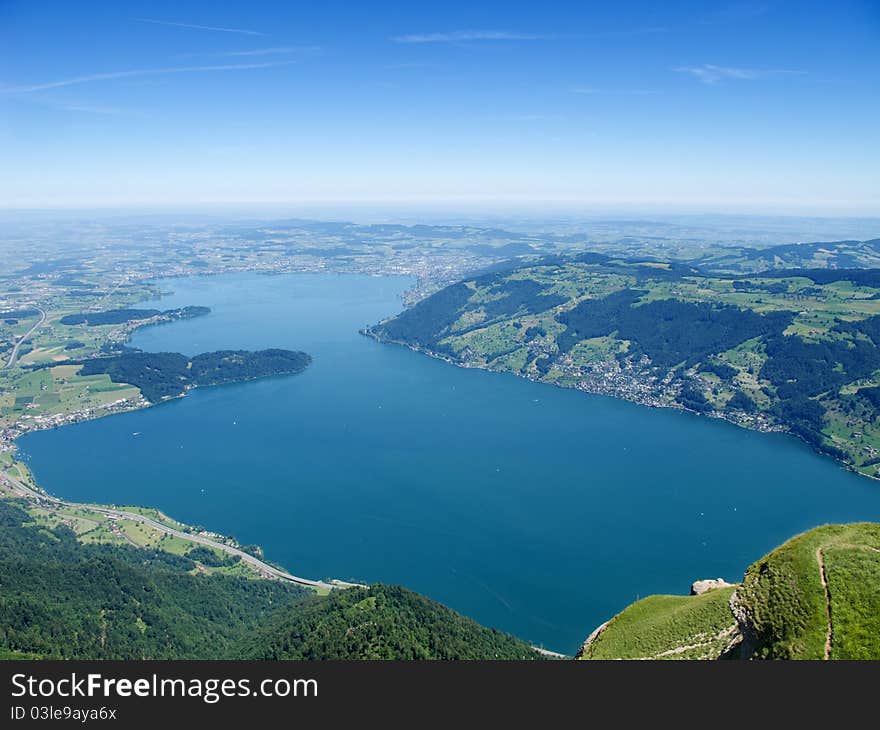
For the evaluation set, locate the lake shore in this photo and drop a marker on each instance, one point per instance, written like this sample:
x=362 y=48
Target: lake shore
x=635 y=395
x=541 y=522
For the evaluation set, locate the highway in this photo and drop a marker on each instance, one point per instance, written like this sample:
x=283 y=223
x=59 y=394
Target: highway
x=263 y=567
x=14 y=356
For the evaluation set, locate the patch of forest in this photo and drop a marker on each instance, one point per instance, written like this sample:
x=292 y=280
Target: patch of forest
x=121 y=316
x=161 y=375
x=19 y=314
x=668 y=331
x=380 y=622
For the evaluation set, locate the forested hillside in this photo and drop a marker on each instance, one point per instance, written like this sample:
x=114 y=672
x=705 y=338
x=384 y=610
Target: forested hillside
x=786 y=349
x=62 y=599
x=380 y=622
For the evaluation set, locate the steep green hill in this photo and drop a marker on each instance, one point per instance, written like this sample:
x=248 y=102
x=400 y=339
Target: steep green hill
x=785 y=349
x=815 y=597
x=380 y=622
x=788 y=606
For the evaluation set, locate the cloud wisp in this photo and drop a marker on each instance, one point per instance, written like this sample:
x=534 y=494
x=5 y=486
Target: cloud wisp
x=711 y=74
x=93 y=109
x=80 y=107
x=193 y=26
x=111 y=75
x=297 y=51
x=277 y=51
x=464 y=36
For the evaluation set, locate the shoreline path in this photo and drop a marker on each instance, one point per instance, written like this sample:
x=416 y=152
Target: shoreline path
x=267 y=570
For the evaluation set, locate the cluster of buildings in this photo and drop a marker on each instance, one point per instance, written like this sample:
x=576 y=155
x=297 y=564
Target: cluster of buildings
x=28 y=422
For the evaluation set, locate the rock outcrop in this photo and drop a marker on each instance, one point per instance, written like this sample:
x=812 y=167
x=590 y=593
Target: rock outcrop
x=701 y=586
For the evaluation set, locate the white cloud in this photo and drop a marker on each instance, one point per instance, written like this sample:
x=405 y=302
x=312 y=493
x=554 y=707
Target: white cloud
x=111 y=75
x=463 y=36
x=711 y=74
x=283 y=50
x=93 y=109
x=192 y=26
x=460 y=36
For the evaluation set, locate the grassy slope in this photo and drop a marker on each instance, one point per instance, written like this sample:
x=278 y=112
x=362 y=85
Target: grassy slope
x=854 y=584
x=784 y=598
x=667 y=627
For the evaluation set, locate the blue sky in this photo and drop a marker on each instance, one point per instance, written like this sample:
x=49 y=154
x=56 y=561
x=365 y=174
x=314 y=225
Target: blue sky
x=735 y=106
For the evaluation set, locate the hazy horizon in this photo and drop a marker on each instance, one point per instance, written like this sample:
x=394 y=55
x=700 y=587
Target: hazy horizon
x=752 y=107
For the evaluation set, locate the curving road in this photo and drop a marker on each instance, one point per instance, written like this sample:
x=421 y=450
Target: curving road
x=263 y=567
x=14 y=356
x=268 y=570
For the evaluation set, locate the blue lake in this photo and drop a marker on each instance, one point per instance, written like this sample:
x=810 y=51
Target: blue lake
x=537 y=510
